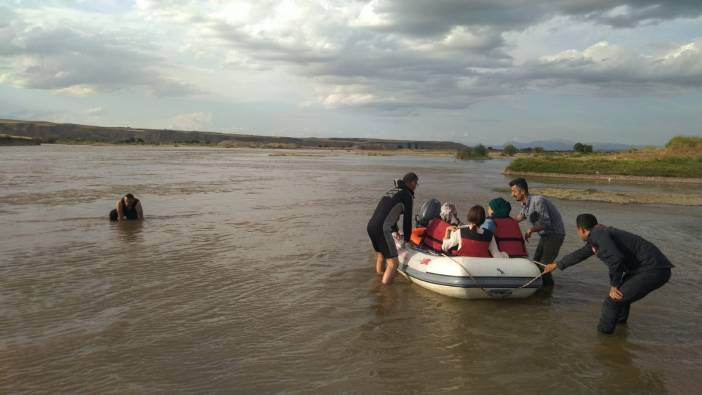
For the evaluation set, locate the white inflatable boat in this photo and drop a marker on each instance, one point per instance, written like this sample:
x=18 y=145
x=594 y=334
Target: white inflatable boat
x=467 y=277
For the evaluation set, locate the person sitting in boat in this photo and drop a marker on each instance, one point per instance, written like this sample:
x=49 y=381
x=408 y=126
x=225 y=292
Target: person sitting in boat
x=433 y=235
x=505 y=228
x=431 y=209
x=127 y=208
x=449 y=214
x=470 y=239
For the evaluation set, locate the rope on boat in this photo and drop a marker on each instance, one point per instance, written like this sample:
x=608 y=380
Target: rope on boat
x=483 y=289
x=469 y=275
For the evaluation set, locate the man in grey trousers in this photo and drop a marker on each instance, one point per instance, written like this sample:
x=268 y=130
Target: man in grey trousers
x=544 y=219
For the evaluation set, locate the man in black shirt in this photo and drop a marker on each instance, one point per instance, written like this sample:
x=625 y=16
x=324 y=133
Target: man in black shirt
x=397 y=201
x=636 y=267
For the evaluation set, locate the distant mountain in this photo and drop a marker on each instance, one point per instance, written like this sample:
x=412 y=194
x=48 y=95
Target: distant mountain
x=48 y=132
x=567 y=145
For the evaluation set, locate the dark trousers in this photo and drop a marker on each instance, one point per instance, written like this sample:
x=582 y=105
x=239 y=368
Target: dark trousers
x=634 y=287
x=546 y=252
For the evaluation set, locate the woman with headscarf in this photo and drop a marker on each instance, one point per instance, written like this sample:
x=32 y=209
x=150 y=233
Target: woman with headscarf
x=506 y=229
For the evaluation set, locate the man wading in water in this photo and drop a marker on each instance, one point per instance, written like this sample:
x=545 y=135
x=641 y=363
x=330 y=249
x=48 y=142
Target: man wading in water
x=544 y=219
x=128 y=207
x=636 y=267
x=384 y=222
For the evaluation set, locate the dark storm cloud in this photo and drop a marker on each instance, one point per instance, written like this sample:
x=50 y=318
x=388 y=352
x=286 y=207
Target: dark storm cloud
x=428 y=18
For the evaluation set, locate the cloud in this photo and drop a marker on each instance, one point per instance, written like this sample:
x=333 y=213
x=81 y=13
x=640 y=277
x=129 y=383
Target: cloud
x=93 y=111
x=410 y=54
x=191 y=121
x=79 y=62
x=423 y=18
x=387 y=55
x=609 y=66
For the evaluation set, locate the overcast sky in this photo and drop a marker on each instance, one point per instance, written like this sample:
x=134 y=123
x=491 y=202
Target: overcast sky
x=484 y=71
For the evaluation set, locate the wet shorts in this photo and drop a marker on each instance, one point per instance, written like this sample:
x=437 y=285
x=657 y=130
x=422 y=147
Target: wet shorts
x=383 y=242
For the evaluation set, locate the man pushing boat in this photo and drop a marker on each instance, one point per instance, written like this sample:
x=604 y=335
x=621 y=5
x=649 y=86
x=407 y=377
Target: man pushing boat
x=636 y=267
x=397 y=201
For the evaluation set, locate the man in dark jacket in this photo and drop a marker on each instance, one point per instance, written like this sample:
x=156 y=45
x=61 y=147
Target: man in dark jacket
x=397 y=201
x=636 y=267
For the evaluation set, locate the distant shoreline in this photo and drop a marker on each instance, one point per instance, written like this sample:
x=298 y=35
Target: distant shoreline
x=15 y=141
x=272 y=151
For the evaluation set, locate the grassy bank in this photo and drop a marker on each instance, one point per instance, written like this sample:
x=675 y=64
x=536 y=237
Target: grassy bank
x=682 y=158
x=666 y=167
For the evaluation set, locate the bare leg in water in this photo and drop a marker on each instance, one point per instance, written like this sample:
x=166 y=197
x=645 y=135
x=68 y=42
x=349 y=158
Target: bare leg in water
x=390 y=270
x=379 y=263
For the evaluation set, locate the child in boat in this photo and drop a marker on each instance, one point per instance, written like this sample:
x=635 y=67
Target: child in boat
x=471 y=239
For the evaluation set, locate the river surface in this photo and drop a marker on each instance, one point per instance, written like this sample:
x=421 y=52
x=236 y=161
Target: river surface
x=253 y=274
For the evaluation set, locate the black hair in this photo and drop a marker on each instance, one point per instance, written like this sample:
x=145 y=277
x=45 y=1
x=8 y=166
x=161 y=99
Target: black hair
x=129 y=196
x=476 y=215
x=586 y=221
x=520 y=183
x=410 y=177
x=113 y=215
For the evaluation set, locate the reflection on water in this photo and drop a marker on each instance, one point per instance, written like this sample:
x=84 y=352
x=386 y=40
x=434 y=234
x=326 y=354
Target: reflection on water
x=129 y=231
x=253 y=274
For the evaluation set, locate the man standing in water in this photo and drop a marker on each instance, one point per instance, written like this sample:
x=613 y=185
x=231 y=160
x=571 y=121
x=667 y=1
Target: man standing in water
x=636 y=267
x=545 y=220
x=383 y=223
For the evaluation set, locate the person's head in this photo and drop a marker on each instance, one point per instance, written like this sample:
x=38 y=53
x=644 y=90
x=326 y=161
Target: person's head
x=520 y=189
x=499 y=208
x=476 y=215
x=128 y=199
x=410 y=179
x=584 y=224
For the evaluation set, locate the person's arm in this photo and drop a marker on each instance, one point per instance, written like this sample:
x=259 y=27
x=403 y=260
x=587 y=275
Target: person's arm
x=571 y=259
x=520 y=217
x=495 y=251
x=610 y=254
x=140 y=212
x=407 y=215
x=120 y=211
x=575 y=257
x=448 y=231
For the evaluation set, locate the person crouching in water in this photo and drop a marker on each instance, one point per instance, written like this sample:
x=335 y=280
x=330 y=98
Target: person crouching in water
x=128 y=207
x=397 y=201
x=471 y=239
x=636 y=267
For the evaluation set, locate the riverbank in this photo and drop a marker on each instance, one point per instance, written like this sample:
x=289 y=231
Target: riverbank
x=608 y=178
x=679 y=162
x=6 y=139
x=617 y=197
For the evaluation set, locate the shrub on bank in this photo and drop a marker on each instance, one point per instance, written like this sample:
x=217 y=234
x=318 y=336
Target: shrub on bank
x=477 y=152
x=685 y=145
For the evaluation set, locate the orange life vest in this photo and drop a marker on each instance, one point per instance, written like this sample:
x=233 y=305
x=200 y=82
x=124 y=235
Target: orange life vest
x=418 y=235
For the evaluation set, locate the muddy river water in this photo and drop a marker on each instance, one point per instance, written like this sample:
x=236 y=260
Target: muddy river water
x=253 y=274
